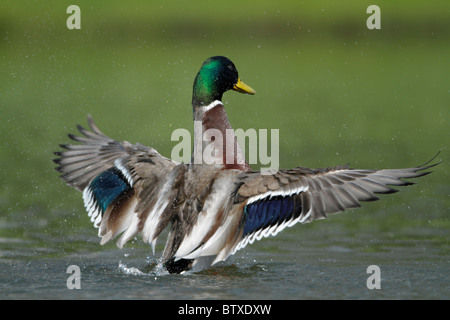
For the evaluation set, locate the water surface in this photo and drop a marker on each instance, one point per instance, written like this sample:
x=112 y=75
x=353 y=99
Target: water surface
x=325 y=261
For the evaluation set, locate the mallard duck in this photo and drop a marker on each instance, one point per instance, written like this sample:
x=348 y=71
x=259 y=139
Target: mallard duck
x=215 y=208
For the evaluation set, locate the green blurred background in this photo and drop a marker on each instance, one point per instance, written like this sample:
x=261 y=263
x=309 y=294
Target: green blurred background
x=339 y=92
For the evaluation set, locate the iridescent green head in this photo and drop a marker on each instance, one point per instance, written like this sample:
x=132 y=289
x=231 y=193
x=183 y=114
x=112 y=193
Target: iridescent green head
x=216 y=76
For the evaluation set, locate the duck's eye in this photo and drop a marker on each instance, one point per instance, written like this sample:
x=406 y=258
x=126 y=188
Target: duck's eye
x=230 y=67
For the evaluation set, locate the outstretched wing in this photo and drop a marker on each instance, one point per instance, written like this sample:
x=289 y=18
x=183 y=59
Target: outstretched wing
x=260 y=205
x=271 y=203
x=120 y=181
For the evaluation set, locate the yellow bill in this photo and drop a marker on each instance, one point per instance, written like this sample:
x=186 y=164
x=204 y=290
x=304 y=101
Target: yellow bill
x=243 y=88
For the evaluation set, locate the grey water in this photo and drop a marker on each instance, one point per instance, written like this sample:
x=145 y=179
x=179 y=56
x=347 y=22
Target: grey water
x=327 y=259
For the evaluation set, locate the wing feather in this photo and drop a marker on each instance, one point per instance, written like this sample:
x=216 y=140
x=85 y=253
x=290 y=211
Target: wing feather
x=314 y=193
x=119 y=181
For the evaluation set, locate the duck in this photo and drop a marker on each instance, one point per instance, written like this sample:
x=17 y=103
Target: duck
x=211 y=208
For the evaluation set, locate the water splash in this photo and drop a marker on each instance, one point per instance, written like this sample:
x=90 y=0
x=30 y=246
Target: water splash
x=130 y=271
x=155 y=268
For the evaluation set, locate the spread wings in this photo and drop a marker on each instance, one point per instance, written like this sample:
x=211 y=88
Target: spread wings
x=132 y=188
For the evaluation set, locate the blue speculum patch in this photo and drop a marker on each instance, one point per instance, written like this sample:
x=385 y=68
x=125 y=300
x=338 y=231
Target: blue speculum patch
x=266 y=213
x=107 y=186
